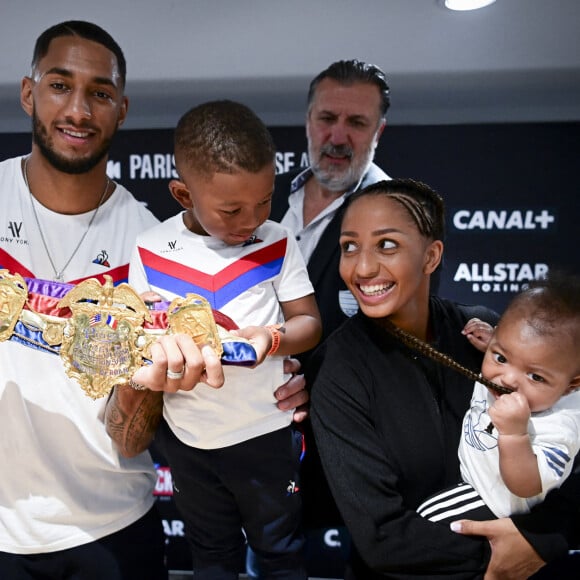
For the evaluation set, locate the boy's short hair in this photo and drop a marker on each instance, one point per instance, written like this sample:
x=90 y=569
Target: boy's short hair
x=222 y=137
x=82 y=29
x=550 y=305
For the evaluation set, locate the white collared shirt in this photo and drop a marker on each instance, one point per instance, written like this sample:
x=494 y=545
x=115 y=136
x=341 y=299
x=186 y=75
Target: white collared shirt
x=308 y=237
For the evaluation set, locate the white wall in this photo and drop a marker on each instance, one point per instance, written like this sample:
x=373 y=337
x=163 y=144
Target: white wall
x=517 y=60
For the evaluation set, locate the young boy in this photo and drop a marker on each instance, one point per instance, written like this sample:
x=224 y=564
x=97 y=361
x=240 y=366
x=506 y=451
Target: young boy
x=517 y=447
x=234 y=457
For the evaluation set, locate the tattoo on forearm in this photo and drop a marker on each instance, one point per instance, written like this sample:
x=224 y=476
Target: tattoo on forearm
x=133 y=429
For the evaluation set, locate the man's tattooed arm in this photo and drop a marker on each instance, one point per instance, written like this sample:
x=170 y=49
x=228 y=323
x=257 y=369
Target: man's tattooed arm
x=132 y=417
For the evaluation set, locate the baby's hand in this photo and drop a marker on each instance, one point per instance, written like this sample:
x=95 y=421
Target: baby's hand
x=478 y=333
x=510 y=414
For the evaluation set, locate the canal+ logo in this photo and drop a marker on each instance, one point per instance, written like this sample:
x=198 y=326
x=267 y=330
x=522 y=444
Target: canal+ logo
x=529 y=219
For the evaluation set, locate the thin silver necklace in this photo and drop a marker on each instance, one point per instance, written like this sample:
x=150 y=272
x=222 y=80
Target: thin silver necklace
x=58 y=274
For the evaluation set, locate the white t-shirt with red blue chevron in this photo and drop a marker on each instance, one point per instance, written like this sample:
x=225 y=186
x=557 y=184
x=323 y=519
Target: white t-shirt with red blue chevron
x=245 y=282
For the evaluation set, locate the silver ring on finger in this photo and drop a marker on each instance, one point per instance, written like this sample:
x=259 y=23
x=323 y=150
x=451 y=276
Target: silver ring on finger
x=175 y=375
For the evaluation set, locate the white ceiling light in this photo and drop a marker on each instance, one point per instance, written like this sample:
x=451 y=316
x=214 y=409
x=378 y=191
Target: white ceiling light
x=467 y=4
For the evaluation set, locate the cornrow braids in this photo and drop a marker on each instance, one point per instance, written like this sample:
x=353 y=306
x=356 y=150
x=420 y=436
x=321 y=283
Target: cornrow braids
x=444 y=359
x=423 y=219
x=423 y=204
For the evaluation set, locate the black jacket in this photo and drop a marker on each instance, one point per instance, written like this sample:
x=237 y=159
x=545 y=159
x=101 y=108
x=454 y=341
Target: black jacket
x=387 y=422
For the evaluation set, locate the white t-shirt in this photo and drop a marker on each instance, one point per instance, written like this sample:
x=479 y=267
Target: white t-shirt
x=555 y=438
x=63 y=483
x=247 y=283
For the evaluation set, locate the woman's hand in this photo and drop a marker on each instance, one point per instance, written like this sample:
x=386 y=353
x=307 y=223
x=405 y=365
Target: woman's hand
x=512 y=557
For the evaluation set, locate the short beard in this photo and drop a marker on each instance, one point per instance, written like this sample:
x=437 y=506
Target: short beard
x=72 y=166
x=341 y=182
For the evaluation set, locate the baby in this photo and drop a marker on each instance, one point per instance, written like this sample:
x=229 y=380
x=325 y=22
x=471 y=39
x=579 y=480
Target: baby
x=516 y=447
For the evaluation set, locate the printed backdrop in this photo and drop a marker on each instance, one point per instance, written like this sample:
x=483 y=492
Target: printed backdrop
x=512 y=198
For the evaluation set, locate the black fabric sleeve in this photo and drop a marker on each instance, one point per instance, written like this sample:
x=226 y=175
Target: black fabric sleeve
x=553 y=527
x=390 y=537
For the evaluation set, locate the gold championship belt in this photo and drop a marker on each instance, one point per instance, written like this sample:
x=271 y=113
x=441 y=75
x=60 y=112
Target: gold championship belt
x=13 y=294
x=105 y=339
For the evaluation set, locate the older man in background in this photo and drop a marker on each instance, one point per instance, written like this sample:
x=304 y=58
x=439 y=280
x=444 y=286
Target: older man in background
x=346 y=116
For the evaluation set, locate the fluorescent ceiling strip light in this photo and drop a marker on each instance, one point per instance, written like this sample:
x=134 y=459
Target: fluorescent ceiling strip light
x=467 y=4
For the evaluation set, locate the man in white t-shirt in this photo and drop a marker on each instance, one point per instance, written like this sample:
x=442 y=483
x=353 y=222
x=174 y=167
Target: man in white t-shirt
x=71 y=506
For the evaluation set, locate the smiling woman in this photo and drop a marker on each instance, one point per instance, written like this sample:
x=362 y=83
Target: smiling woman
x=387 y=418
x=389 y=249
